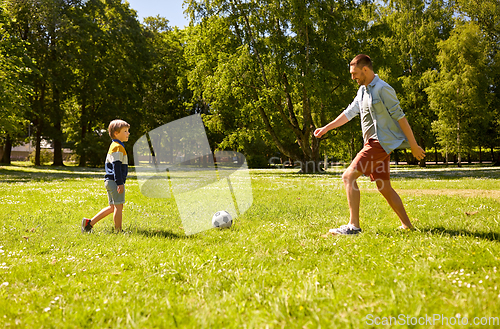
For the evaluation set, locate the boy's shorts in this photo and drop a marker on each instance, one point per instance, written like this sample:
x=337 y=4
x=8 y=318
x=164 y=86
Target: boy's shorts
x=113 y=196
x=373 y=161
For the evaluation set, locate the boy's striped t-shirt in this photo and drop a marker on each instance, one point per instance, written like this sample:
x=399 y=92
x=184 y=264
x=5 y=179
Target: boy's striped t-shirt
x=116 y=163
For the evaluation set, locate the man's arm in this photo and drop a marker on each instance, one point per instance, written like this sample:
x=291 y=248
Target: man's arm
x=417 y=151
x=339 y=121
x=350 y=112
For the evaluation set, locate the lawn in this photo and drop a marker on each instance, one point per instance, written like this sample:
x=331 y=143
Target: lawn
x=272 y=269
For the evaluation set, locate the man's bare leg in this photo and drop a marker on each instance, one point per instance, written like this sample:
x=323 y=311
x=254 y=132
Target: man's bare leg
x=392 y=197
x=353 y=195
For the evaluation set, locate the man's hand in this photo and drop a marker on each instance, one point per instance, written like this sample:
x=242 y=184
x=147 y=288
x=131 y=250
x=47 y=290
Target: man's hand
x=320 y=132
x=120 y=189
x=418 y=152
x=339 y=121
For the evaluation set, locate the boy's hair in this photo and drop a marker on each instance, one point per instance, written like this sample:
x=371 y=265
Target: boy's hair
x=361 y=61
x=115 y=126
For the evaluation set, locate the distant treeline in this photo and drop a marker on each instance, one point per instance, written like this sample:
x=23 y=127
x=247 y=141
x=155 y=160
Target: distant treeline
x=263 y=74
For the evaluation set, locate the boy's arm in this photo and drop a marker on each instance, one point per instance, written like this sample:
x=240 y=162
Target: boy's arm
x=417 y=151
x=339 y=121
x=117 y=165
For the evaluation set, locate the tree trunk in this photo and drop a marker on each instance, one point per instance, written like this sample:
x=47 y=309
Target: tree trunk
x=459 y=154
x=58 y=154
x=83 y=132
x=423 y=162
x=58 y=135
x=38 y=147
x=7 y=151
x=38 y=123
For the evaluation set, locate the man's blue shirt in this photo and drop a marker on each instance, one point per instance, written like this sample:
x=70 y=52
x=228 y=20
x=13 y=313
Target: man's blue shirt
x=385 y=111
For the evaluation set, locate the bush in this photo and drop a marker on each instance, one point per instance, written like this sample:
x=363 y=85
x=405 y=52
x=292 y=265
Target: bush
x=257 y=161
x=46 y=157
x=95 y=147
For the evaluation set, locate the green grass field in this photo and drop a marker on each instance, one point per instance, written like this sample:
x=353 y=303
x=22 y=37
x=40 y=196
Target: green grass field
x=272 y=269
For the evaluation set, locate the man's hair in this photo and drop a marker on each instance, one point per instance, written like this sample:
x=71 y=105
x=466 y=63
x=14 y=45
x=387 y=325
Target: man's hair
x=115 y=126
x=361 y=61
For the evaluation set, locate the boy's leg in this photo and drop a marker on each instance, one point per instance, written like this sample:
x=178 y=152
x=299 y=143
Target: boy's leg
x=117 y=216
x=392 y=197
x=353 y=195
x=101 y=214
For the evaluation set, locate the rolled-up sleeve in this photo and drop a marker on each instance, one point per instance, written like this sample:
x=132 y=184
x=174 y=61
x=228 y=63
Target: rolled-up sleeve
x=391 y=102
x=353 y=109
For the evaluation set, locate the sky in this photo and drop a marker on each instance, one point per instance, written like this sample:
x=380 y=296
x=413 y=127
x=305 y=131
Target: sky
x=170 y=9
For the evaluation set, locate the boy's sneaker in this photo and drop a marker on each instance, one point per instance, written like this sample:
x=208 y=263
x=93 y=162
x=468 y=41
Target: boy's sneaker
x=86 y=227
x=348 y=229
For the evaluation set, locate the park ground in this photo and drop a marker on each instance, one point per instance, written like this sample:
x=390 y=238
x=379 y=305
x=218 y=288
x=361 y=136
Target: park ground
x=272 y=269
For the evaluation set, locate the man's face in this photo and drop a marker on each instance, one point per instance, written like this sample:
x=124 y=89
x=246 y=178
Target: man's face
x=358 y=74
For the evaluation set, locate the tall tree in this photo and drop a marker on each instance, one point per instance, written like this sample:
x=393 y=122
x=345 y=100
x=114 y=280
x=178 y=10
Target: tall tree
x=55 y=17
x=42 y=25
x=460 y=93
x=29 y=24
x=275 y=65
x=110 y=64
x=167 y=96
x=486 y=13
x=14 y=87
x=412 y=31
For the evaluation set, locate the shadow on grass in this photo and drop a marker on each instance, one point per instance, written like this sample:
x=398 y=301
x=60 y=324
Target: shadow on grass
x=442 y=231
x=160 y=234
x=16 y=174
x=401 y=172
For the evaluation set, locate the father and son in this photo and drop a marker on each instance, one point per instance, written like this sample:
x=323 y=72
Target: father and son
x=384 y=127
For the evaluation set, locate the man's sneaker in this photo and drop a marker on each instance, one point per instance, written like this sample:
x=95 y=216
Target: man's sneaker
x=348 y=229
x=86 y=227
x=404 y=228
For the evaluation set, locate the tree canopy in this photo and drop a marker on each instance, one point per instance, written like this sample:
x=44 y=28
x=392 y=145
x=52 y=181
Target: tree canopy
x=263 y=73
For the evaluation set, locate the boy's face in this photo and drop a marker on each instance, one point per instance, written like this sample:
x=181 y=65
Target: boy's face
x=122 y=135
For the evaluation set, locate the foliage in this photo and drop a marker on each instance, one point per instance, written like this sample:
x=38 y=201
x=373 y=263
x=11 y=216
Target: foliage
x=413 y=30
x=263 y=73
x=487 y=15
x=15 y=88
x=459 y=93
x=46 y=157
x=272 y=65
x=167 y=96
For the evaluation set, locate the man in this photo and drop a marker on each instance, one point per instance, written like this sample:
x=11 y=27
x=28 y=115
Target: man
x=385 y=128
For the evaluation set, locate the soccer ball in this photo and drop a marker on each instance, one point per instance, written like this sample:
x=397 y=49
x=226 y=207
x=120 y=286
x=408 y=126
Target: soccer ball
x=222 y=219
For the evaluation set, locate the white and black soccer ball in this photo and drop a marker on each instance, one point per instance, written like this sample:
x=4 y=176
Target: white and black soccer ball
x=222 y=219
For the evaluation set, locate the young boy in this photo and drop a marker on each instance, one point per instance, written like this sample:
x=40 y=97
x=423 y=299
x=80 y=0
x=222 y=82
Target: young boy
x=116 y=174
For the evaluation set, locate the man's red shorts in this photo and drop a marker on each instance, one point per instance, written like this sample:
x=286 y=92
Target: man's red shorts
x=373 y=161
